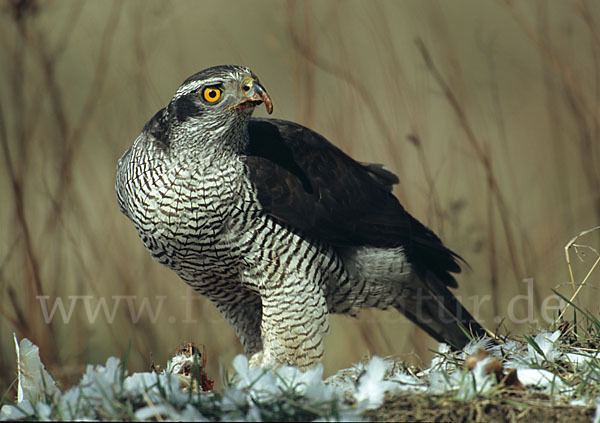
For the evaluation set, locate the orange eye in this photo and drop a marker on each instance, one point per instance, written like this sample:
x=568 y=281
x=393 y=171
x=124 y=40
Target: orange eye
x=211 y=94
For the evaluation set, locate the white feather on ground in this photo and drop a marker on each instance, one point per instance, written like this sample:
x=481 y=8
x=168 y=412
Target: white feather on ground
x=253 y=392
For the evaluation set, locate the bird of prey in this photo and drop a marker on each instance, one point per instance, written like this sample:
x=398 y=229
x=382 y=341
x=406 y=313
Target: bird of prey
x=277 y=226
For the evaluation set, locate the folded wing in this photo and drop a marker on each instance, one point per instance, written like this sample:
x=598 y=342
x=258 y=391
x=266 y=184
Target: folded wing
x=304 y=181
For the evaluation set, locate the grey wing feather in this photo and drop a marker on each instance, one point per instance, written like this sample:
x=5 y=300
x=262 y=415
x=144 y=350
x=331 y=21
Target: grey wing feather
x=307 y=183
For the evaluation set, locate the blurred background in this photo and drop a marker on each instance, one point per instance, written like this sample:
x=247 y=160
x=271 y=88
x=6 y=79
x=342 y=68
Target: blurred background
x=487 y=111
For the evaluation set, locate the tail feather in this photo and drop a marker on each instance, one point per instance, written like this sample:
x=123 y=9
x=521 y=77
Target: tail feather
x=439 y=313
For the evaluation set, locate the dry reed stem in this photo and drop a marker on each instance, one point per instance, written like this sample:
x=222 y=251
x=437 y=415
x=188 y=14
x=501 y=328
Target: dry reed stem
x=481 y=153
x=568 y=247
x=346 y=75
x=581 y=101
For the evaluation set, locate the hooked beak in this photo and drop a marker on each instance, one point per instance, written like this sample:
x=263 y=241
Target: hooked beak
x=253 y=95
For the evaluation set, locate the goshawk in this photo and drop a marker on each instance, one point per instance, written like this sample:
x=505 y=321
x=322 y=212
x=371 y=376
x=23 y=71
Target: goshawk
x=277 y=226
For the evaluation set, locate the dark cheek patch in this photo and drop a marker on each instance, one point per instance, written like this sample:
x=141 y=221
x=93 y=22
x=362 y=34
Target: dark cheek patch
x=158 y=127
x=185 y=108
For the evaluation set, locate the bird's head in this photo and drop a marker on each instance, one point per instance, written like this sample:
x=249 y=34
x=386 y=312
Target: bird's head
x=217 y=99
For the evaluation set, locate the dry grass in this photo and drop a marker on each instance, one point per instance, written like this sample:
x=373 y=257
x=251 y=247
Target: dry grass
x=490 y=120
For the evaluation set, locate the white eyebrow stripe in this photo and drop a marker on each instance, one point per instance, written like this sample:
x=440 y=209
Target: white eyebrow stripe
x=188 y=88
x=194 y=85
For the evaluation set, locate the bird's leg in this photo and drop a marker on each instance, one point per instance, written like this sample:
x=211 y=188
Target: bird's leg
x=244 y=315
x=294 y=322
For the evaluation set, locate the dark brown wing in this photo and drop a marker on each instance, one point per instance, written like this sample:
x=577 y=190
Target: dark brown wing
x=306 y=182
